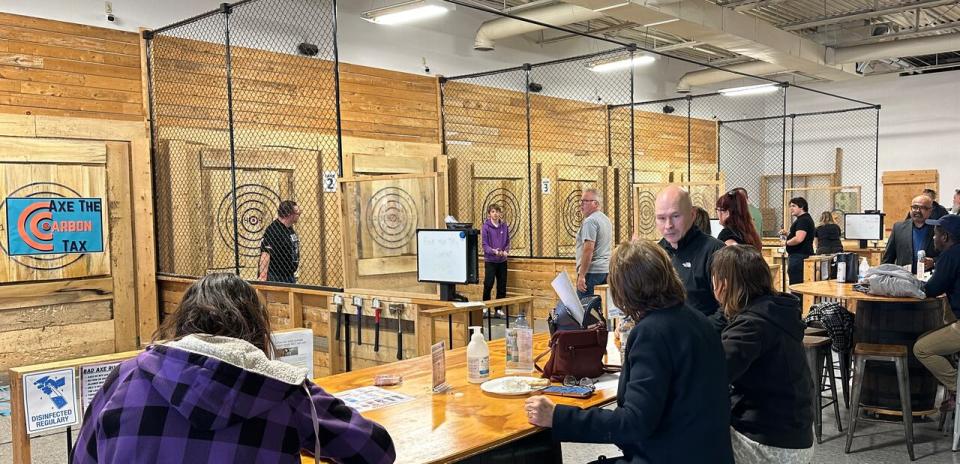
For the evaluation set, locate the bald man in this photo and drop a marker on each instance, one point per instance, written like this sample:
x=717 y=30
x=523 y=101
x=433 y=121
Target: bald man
x=690 y=249
x=912 y=235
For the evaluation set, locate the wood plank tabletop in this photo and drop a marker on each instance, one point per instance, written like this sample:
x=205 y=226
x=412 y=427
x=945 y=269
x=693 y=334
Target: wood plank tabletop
x=463 y=421
x=845 y=291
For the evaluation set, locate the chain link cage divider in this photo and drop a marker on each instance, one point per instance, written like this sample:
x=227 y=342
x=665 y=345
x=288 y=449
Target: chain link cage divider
x=245 y=118
x=711 y=142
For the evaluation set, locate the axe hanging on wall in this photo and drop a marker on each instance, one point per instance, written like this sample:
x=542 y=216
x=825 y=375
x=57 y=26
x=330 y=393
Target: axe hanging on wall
x=338 y=300
x=397 y=309
x=376 y=324
x=358 y=302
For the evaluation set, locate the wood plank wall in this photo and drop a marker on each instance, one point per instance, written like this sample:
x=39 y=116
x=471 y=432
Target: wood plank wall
x=278 y=91
x=63 y=69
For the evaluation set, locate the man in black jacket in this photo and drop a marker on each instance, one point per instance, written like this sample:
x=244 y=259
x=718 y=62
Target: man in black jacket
x=933 y=347
x=690 y=249
x=910 y=236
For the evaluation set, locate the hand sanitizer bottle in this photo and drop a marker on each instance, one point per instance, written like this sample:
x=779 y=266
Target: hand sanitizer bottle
x=478 y=357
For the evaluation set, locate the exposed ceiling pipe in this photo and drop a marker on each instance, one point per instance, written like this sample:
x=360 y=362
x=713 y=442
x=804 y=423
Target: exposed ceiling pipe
x=713 y=76
x=895 y=49
x=558 y=15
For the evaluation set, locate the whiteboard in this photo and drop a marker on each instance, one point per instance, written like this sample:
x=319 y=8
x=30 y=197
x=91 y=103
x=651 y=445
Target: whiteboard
x=862 y=226
x=442 y=256
x=715 y=228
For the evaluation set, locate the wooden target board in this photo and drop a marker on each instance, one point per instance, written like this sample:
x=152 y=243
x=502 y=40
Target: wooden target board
x=561 y=210
x=258 y=195
x=503 y=184
x=36 y=171
x=384 y=214
x=702 y=194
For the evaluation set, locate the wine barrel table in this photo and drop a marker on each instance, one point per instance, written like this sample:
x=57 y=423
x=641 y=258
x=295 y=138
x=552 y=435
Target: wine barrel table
x=893 y=321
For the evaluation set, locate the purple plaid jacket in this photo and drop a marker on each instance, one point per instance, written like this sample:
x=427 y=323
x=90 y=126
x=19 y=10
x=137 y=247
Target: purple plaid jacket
x=169 y=405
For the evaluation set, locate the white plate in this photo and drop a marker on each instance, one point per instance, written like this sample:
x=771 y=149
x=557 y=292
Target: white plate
x=511 y=385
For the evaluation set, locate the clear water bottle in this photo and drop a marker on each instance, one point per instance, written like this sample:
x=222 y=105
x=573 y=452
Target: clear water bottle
x=921 y=255
x=623 y=332
x=862 y=271
x=520 y=346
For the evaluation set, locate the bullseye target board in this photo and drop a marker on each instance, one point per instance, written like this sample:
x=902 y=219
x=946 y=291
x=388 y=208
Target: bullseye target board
x=504 y=185
x=53 y=221
x=258 y=195
x=384 y=216
x=702 y=194
x=562 y=227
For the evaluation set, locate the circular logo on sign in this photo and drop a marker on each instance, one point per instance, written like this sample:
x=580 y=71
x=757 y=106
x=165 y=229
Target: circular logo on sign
x=34 y=226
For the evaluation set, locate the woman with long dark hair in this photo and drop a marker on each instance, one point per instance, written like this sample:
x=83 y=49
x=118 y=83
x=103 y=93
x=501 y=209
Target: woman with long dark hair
x=771 y=392
x=828 y=235
x=211 y=393
x=734 y=215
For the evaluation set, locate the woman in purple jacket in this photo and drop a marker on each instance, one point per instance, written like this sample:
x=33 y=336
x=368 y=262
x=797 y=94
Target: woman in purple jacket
x=212 y=394
x=495 y=234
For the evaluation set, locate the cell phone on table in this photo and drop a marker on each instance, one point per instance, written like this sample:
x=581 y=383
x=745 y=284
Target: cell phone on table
x=574 y=391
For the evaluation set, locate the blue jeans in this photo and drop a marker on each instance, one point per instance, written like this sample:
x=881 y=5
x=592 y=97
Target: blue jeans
x=593 y=279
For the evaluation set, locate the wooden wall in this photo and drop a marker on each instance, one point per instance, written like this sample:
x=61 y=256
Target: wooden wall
x=55 y=68
x=72 y=114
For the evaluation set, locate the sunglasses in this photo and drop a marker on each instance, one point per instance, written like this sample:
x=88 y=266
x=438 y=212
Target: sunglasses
x=571 y=381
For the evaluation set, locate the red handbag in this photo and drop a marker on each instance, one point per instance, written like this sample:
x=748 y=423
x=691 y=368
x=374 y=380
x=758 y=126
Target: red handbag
x=576 y=352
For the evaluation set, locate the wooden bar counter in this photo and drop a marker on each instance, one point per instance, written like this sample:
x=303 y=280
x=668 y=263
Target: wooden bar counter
x=463 y=422
x=887 y=320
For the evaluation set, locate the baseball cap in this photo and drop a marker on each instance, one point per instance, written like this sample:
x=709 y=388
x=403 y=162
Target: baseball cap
x=950 y=222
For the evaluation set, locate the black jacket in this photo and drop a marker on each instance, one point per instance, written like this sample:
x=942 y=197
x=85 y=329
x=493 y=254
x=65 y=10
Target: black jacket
x=692 y=260
x=946 y=278
x=900 y=245
x=673 y=400
x=771 y=389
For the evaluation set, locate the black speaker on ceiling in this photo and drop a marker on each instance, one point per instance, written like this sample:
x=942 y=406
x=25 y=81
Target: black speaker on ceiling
x=668 y=109
x=308 y=49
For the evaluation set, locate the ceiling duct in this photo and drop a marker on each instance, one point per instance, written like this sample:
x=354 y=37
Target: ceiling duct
x=714 y=76
x=559 y=14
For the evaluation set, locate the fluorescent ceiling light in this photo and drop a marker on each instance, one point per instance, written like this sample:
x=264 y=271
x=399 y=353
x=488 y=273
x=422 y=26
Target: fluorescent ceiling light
x=660 y=23
x=610 y=7
x=406 y=12
x=623 y=63
x=750 y=90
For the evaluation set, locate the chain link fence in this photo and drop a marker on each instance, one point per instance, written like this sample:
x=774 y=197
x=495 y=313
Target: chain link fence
x=245 y=121
x=551 y=116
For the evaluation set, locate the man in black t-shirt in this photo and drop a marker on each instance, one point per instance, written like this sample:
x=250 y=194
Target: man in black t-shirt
x=799 y=242
x=280 y=248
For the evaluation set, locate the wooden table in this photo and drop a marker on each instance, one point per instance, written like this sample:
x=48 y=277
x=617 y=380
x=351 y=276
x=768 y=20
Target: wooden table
x=887 y=320
x=462 y=422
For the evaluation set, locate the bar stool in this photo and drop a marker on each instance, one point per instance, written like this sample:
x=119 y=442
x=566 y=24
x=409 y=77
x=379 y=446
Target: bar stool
x=897 y=354
x=817 y=350
x=843 y=363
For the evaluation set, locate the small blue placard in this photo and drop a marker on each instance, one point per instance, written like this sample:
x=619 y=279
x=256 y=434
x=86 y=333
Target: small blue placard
x=43 y=226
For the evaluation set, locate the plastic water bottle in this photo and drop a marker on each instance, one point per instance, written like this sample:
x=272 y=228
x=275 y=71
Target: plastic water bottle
x=841 y=271
x=864 y=267
x=520 y=347
x=478 y=357
x=921 y=255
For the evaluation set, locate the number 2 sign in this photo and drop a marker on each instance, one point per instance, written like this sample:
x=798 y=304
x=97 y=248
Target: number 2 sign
x=329 y=181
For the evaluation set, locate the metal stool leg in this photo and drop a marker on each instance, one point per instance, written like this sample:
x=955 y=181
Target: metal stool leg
x=903 y=381
x=956 y=419
x=828 y=356
x=855 y=399
x=845 y=377
x=813 y=363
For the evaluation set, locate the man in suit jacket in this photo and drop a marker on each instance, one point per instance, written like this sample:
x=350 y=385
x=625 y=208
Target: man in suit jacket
x=912 y=235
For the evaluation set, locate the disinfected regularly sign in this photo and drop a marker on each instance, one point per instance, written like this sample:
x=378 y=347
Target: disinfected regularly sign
x=39 y=226
x=50 y=400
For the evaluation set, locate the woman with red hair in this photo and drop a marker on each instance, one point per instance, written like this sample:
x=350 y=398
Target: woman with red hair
x=734 y=215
